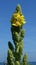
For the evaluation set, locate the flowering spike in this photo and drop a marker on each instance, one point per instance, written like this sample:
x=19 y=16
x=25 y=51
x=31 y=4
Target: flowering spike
x=15 y=52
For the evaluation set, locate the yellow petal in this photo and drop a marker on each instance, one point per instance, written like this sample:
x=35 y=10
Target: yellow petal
x=16 y=15
x=16 y=24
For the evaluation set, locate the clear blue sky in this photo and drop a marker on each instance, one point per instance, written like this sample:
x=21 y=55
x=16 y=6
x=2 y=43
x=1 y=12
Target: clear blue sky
x=7 y=7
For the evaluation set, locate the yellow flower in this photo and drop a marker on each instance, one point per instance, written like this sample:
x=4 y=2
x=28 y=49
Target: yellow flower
x=18 y=19
x=22 y=20
x=16 y=24
x=15 y=15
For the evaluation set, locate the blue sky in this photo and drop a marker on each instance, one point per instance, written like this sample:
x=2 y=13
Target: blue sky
x=7 y=7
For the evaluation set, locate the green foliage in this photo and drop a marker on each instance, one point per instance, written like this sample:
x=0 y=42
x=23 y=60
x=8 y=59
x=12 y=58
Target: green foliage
x=10 y=46
x=17 y=63
x=18 y=9
x=14 y=54
x=10 y=57
x=25 y=58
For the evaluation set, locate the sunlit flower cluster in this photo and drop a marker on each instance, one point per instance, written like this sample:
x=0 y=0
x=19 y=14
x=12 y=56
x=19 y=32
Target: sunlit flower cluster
x=17 y=19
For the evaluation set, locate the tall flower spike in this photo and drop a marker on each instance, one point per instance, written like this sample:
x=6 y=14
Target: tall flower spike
x=15 y=52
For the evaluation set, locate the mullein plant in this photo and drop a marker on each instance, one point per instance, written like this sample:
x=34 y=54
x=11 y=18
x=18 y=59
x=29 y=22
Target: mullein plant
x=14 y=56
